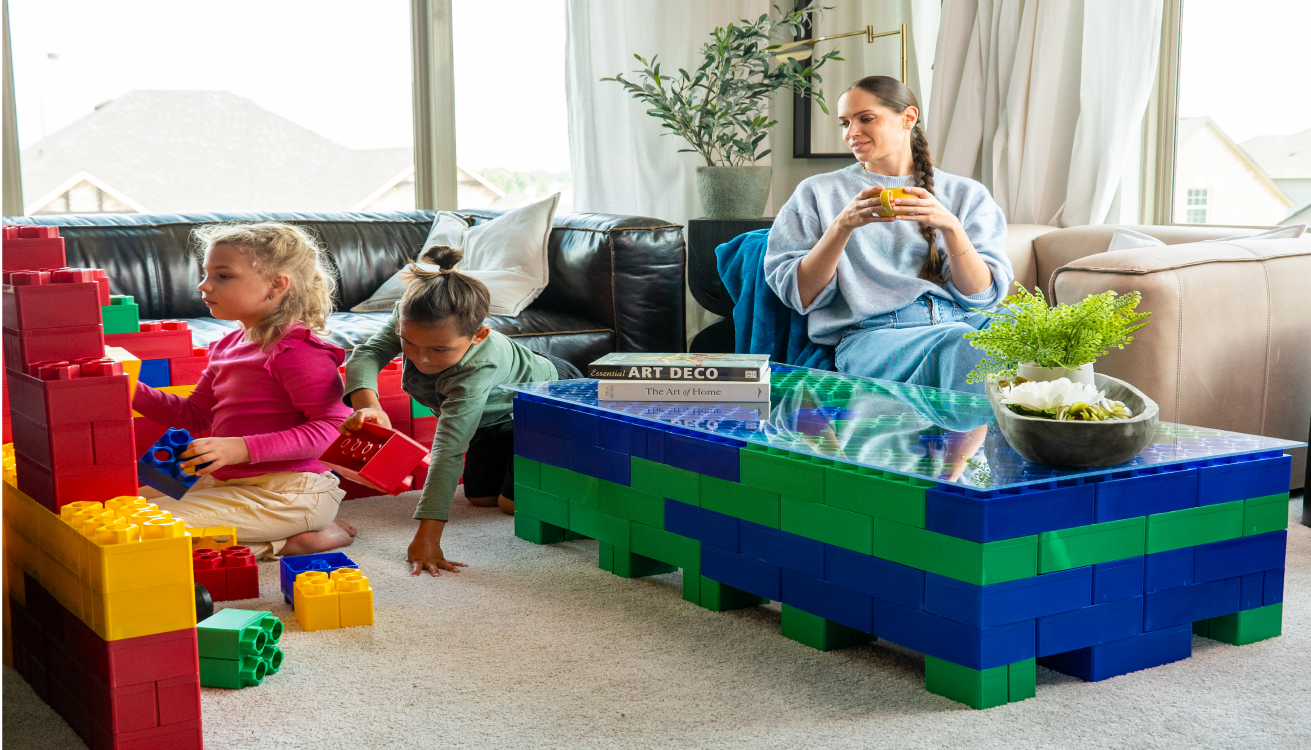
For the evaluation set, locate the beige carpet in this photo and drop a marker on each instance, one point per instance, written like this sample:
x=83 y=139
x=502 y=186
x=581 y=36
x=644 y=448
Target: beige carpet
x=536 y=647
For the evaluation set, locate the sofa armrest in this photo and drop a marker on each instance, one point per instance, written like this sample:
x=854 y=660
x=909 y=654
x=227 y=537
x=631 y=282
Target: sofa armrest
x=1019 y=248
x=1227 y=344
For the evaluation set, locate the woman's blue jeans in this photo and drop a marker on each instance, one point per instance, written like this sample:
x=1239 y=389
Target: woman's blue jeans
x=923 y=343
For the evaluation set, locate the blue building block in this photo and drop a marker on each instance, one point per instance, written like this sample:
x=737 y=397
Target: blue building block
x=549 y=419
x=160 y=466
x=1188 y=604
x=706 y=526
x=1238 y=557
x=1273 y=590
x=1250 y=591
x=154 y=373
x=1001 y=603
x=1118 y=579
x=1168 y=570
x=541 y=447
x=879 y=578
x=600 y=463
x=613 y=434
x=636 y=438
x=784 y=549
x=583 y=428
x=1242 y=477
x=741 y=572
x=976 y=648
x=1141 y=492
x=1132 y=654
x=827 y=600
x=990 y=515
x=290 y=567
x=717 y=457
x=1089 y=626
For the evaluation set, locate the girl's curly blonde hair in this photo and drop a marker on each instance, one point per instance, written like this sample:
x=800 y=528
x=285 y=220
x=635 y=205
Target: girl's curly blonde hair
x=274 y=248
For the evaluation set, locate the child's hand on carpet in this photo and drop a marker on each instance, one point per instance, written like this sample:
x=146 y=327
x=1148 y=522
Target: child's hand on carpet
x=425 y=552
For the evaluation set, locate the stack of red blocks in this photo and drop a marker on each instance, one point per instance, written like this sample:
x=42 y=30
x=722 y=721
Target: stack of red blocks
x=228 y=574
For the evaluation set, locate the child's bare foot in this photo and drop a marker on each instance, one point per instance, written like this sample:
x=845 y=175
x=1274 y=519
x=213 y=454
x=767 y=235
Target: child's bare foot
x=349 y=529
x=506 y=505
x=332 y=536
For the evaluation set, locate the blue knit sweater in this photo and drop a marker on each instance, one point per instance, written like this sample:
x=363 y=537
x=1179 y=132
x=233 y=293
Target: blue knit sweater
x=879 y=272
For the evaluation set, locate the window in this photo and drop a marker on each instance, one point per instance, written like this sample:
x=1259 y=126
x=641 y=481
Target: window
x=1242 y=129
x=148 y=105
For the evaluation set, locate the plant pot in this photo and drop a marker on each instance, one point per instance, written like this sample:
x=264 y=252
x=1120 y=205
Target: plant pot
x=1031 y=371
x=1079 y=445
x=733 y=192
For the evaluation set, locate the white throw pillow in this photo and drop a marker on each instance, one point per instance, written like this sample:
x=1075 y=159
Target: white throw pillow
x=1127 y=239
x=508 y=254
x=1290 y=232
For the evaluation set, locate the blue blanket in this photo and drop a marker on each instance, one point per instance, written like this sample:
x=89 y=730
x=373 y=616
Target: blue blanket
x=762 y=323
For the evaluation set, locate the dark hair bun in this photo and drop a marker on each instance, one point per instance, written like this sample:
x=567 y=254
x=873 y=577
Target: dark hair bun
x=442 y=256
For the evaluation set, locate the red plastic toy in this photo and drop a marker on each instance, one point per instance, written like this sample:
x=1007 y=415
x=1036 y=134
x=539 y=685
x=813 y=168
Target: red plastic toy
x=377 y=457
x=187 y=370
x=28 y=246
x=242 y=573
x=157 y=339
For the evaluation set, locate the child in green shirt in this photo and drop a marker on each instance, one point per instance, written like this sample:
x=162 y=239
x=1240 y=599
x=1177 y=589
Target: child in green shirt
x=453 y=365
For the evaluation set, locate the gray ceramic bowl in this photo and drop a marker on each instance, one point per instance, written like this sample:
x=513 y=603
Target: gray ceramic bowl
x=1080 y=444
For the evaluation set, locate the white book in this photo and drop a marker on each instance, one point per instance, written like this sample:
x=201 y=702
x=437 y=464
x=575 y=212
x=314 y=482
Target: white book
x=674 y=390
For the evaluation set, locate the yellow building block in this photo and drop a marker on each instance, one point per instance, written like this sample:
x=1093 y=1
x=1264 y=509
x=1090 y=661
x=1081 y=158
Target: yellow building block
x=355 y=598
x=315 y=600
x=131 y=368
x=213 y=537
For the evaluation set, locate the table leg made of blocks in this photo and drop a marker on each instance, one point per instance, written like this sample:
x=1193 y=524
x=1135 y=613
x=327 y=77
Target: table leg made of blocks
x=1094 y=575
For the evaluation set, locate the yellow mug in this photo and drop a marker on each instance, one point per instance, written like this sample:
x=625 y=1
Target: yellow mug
x=887 y=197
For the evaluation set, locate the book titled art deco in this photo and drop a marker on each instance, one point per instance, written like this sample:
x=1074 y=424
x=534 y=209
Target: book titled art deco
x=681 y=367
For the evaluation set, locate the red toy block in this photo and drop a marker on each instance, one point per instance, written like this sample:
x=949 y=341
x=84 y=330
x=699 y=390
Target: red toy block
x=242 y=573
x=55 y=488
x=179 y=699
x=153 y=341
x=61 y=446
x=61 y=299
x=131 y=661
x=145 y=433
x=22 y=348
x=419 y=478
x=207 y=570
x=32 y=247
x=187 y=370
x=376 y=457
x=102 y=283
x=123 y=709
x=89 y=398
x=389 y=379
x=114 y=441
x=355 y=490
x=63 y=667
x=423 y=429
x=66 y=704
x=184 y=736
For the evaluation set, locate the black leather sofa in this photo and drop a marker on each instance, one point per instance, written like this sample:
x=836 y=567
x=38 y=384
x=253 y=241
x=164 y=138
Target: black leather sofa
x=616 y=282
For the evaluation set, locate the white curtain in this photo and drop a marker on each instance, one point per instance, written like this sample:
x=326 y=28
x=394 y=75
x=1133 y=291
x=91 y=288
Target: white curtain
x=1043 y=101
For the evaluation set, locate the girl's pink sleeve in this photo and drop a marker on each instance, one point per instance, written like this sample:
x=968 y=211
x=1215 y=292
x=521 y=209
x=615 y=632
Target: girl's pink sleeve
x=307 y=369
x=193 y=414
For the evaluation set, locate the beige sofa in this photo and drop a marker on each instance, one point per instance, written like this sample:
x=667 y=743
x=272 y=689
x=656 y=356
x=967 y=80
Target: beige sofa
x=1229 y=343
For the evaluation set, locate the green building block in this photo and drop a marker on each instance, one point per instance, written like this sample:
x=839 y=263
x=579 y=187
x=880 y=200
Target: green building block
x=986 y=688
x=237 y=633
x=783 y=472
x=875 y=493
x=666 y=481
x=740 y=501
x=272 y=658
x=535 y=530
x=628 y=565
x=1094 y=543
x=1262 y=515
x=720 y=597
x=827 y=524
x=1193 y=526
x=575 y=487
x=419 y=410
x=972 y=562
x=1242 y=628
x=1022 y=680
x=600 y=526
x=541 y=505
x=527 y=472
x=248 y=671
x=818 y=633
x=121 y=315
x=635 y=505
x=668 y=547
x=605 y=557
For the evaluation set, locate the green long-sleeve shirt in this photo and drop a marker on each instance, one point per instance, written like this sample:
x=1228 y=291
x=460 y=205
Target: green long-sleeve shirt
x=464 y=397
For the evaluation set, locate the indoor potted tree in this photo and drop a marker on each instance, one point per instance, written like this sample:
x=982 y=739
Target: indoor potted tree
x=719 y=109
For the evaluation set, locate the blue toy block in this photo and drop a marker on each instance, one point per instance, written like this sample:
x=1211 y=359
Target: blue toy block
x=1089 y=626
x=1168 y=570
x=1238 y=557
x=154 y=373
x=160 y=466
x=543 y=448
x=290 y=567
x=1118 y=579
x=1002 y=603
x=990 y=515
x=549 y=419
x=827 y=600
x=1273 y=590
x=784 y=549
x=717 y=457
x=583 y=428
x=1132 y=654
x=655 y=444
x=976 y=648
x=613 y=434
x=600 y=463
x=886 y=580
x=636 y=438
x=706 y=526
x=1141 y=492
x=1242 y=477
x=1250 y=591
x=1188 y=604
x=741 y=572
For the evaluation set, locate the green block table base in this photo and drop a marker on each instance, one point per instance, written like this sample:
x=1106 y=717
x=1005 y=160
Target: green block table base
x=719 y=597
x=986 y=688
x=818 y=633
x=1242 y=628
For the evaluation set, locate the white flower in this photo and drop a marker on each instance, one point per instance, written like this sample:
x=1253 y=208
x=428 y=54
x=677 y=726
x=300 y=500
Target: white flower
x=1046 y=395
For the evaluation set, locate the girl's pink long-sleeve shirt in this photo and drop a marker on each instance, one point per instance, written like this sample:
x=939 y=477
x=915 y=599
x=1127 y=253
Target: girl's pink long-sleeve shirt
x=285 y=401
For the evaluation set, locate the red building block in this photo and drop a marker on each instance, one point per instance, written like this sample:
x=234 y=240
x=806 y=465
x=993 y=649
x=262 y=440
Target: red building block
x=65 y=298
x=207 y=570
x=123 y=709
x=28 y=246
x=167 y=339
x=145 y=433
x=184 y=736
x=376 y=457
x=179 y=699
x=131 y=661
x=60 y=446
x=114 y=441
x=187 y=370
x=55 y=488
x=423 y=429
x=87 y=398
x=242 y=573
x=22 y=348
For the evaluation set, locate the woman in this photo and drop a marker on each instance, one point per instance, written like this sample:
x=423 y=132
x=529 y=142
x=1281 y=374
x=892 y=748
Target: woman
x=895 y=299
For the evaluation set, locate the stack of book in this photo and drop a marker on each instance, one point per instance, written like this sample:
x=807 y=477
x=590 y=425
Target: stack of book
x=739 y=381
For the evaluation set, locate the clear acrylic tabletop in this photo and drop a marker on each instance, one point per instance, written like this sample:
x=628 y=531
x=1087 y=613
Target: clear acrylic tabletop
x=928 y=433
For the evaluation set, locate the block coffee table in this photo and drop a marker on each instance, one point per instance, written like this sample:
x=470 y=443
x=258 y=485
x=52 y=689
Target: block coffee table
x=873 y=509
